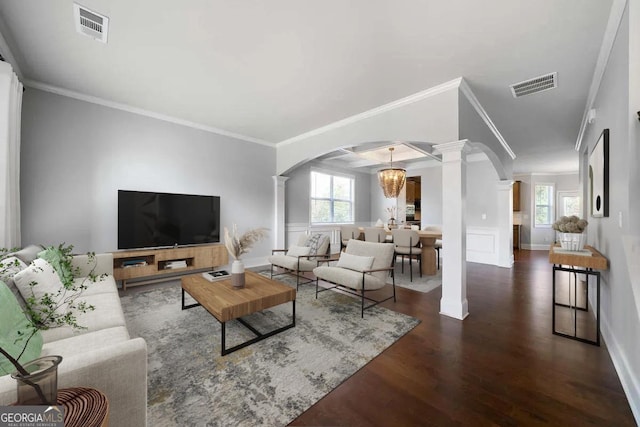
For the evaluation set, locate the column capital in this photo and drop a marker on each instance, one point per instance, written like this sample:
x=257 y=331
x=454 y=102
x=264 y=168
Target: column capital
x=279 y=179
x=453 y=146
x=504 y=184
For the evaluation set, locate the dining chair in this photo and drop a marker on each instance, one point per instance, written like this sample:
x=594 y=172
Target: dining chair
x=375 y=234
x=407 y=243
x=348 y=232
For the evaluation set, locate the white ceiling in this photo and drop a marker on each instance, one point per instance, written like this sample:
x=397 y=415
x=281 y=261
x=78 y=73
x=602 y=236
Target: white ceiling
x=271 y=70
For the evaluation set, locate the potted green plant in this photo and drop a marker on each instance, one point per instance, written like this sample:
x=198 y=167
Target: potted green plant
x=37 y=379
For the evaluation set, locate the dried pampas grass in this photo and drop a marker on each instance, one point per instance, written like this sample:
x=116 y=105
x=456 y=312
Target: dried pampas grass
x=241 y=245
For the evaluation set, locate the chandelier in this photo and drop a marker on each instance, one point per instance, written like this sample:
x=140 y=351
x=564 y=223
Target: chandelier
x=392 y=179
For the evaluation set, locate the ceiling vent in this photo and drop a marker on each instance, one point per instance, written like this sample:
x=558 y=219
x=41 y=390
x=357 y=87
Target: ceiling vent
x=535 y=85
x=90 y=23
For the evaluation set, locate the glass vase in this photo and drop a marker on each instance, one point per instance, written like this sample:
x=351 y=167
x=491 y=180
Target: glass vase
x=40 y=386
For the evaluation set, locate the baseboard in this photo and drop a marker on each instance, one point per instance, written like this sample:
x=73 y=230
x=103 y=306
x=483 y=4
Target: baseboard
x=630 y=383
x=536 y=247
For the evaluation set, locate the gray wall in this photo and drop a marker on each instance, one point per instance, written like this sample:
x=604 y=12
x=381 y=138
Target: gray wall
x=298 y=192
x=540 y=237
x=76 y=155
x=472 y=127
x=620 y=288
x=482 y=195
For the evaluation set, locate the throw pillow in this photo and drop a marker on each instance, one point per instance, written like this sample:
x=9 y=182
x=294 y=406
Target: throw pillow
x=314 y=242
x=48 y=282
x=355 y=262
x=10 y=266
x=56 y=258
x=15 y=328
x=296 y=251
x=28 y=253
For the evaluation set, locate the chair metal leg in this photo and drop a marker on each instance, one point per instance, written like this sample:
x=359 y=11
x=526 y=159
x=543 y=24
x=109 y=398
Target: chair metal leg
x=393 y=284
x=438 y=251
x=410 y=269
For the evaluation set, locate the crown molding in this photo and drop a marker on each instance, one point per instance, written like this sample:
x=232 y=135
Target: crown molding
x=610 y=33
x=466 y=90
x=140 y=111
x=419 y=96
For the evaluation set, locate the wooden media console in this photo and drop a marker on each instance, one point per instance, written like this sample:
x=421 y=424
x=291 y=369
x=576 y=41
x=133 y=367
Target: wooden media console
x=154 y=265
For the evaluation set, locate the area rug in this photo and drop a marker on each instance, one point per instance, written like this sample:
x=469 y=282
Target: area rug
x=268 y=383
x=420 y=284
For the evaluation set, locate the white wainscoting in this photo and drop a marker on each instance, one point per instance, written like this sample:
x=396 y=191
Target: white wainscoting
x=482 y=245
x=481 y=242
x=294 y=230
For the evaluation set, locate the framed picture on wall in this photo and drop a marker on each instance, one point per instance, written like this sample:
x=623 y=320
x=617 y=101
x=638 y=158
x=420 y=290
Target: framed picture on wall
x=599 y=177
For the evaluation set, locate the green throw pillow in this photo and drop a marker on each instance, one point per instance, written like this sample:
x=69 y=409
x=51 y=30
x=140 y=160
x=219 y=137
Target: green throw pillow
x=14 y=330
x=56 y=258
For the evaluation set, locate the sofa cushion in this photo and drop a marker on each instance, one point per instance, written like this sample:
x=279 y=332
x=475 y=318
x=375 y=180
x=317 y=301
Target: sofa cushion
x=78 y=344
x=102 y=285
x=48 y=282
x=14 y=328
x=107 y=314
x=355 y=262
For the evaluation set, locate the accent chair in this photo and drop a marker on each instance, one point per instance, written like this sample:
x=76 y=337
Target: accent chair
x=363 y=266
x=301 y=258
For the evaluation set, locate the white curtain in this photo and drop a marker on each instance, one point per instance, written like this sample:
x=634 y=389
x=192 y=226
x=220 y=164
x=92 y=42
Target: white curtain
x=10 y=113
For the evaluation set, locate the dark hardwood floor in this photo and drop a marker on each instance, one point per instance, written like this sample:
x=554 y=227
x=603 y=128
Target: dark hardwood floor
x=500 y=366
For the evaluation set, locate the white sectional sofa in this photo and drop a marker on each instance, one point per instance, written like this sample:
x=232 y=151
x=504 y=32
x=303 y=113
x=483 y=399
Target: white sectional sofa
x=102 y=356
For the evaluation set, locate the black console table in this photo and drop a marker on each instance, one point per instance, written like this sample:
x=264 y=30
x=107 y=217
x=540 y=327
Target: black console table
x=575 y=264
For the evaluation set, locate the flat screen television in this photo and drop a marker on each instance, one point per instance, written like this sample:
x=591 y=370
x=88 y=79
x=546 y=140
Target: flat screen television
x=149 y=219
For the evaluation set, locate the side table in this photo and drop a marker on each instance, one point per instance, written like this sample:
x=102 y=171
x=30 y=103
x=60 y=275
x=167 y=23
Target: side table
x=84 y=407
x=577 y=263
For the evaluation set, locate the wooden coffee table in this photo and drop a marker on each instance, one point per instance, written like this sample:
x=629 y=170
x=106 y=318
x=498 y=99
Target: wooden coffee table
x=226 y=303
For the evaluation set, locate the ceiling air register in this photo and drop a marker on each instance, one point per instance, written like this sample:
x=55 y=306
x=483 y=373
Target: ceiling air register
x=535 y=85
x=91 y=23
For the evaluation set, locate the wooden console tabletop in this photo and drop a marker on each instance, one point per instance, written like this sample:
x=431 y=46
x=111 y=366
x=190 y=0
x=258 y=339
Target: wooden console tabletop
x=596 y=261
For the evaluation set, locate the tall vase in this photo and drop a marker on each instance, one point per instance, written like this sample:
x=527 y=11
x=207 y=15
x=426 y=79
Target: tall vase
x=40 y=386
x=237 y=274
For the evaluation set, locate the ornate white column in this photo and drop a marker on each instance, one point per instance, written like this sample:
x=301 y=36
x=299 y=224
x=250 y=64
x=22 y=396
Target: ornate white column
x=505 y=221
x=279 y=206
x=454 y=229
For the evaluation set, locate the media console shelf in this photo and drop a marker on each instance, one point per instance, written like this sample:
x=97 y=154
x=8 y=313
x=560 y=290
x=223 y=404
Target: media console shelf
x=152 y=265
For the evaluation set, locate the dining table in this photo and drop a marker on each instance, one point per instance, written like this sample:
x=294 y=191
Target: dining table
x=428 y=241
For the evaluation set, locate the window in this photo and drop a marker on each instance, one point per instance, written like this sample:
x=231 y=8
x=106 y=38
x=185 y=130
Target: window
x=568 y=204
x=331 y=198
x=543 y=195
